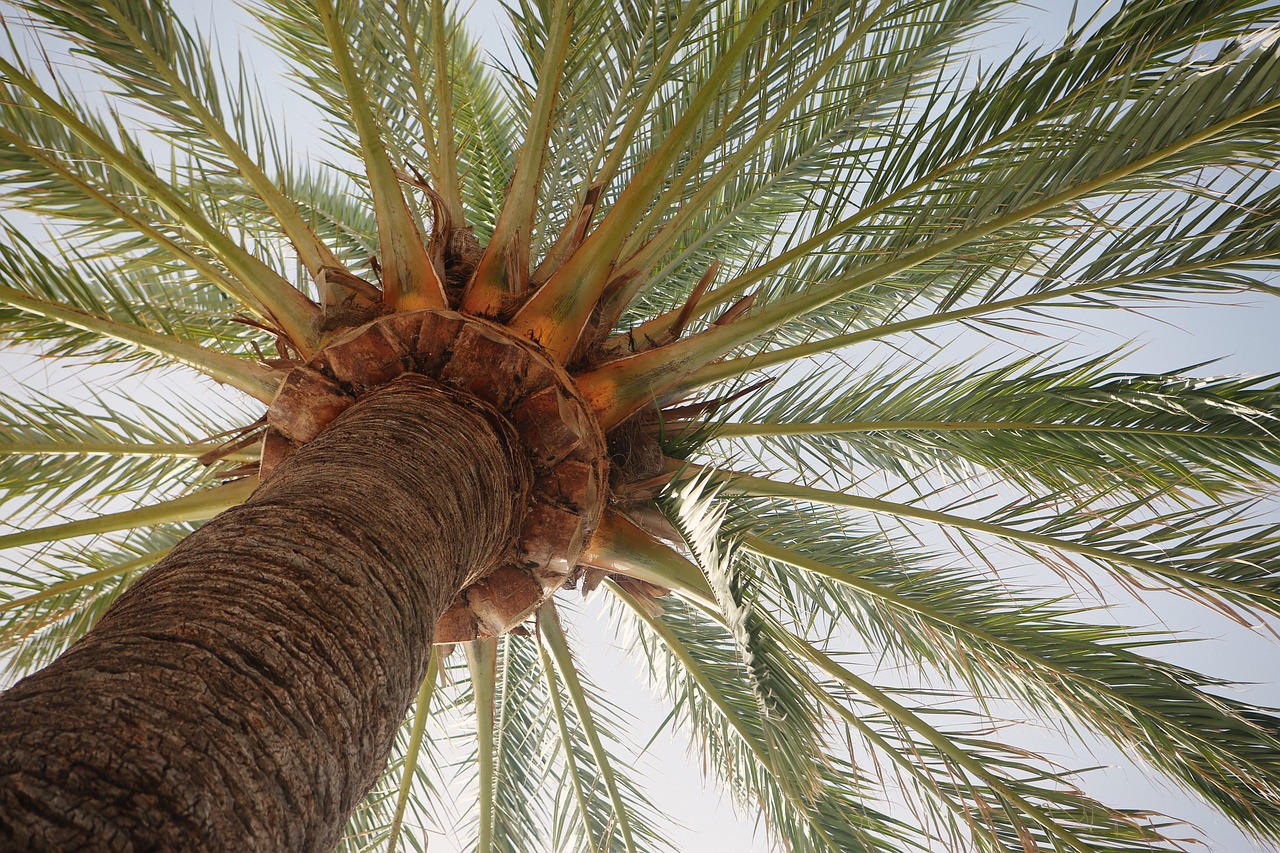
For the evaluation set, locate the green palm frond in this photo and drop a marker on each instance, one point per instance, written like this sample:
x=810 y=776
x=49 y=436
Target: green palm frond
x=521 y=728
x=1138 y=140
x=1212 y=244
x=1038 y=652
x=154 y=61
x=46 y=606
x=513 y=719
x=697 y=666
x=790 y=727
x=388 y=819
x=801 y=129
x=480 y=116
x=52 y=455
x=261 y=288
x=603 y=808
x=1077 y=429
x=1213 y=554
x=52 y=171
x=992 y=790
x=81 y=309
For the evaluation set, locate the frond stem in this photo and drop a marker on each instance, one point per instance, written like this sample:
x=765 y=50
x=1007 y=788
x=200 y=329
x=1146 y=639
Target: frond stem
x=199 y=506
x=482 y=661
x=256 y=380
x=85 y=580
x=553 y=632
x=421 y=712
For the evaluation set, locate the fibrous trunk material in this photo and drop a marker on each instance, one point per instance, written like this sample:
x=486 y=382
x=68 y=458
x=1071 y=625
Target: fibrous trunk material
x=244 y=693
x=556 y=427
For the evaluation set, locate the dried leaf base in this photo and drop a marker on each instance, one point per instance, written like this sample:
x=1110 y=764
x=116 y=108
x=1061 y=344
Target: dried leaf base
x=481 y=361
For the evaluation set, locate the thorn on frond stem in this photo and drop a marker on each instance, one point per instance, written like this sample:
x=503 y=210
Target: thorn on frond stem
x=682 y=319
x=441 y=220
x=709 y=407
x=735 y=310
x=652 y=521
x=273 y=363
x=239 y=438
x=235 y=431
x=288 y=354
x=615 y=285
x=644 y=490
x=585 y=214
x=416 y=179
x=249 y=469
x=287 y=351
x=269 y=328
x=646 y=595
x=362 y=292
x=695 y=296
x=615 y=297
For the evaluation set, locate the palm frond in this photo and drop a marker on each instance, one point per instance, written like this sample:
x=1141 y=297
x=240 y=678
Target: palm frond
x=155 y=61
x=480 y=117
x=280 y=301
x=603 y=808
x=503 y=269
x=696 y=664
x=999 y=642
x=1207 y=553
x=1222 y=242
x=1152 y=143
x=52 y=455
x=1004 y=799
x=196 y=506
x=46 y=605
x=82 y=310
x=1079 y=428
x=513 y=719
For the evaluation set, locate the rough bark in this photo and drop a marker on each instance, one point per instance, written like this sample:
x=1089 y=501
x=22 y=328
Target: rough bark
x=244 y=694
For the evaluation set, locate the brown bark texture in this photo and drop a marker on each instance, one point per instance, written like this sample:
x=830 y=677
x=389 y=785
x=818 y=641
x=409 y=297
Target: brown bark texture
x=244 y=693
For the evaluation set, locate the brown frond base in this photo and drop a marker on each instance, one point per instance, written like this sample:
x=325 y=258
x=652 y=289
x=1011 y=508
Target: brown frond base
x=511 y=377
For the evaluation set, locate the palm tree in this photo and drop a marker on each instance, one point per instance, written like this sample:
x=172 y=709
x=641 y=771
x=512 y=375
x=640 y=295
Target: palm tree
x=630 y=320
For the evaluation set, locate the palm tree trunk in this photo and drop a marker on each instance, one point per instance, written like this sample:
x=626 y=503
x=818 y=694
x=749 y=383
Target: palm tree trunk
x=244 y=694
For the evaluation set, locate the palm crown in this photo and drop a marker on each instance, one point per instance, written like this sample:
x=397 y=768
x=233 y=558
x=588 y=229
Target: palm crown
x=679 y=203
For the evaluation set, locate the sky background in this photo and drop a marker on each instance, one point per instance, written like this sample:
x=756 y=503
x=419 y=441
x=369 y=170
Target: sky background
x=1244 y=336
